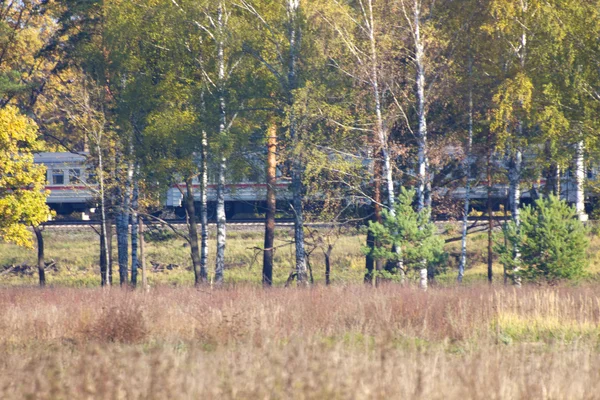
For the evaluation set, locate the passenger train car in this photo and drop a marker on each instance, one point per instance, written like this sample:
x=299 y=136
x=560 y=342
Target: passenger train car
x=73 y=188
x=69 y=182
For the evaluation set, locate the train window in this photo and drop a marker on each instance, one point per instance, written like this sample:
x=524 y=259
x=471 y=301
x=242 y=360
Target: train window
x=74 y=175
x=58 y=177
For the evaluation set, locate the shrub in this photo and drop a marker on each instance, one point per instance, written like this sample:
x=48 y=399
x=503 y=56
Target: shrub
x=410 y=231
x=549 y=245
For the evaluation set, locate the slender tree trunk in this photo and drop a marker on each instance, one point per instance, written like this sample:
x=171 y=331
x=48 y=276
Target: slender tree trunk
x=297 y=166
x=271 y=206
x=514 y=176
x=580 y=181
x=467 y=170
x=104 y=240
x=377 y=217
x=40 y=255
x=204 y=210
x=369 y=262
x=381 y=131
x=142 y=253
x=134 y=227
x=489 y=212
x=221 y=217
x=382 y=135
x=424 y=185
x=190 y=210
x=109 y=244
x=122 y=226
x=327 y=255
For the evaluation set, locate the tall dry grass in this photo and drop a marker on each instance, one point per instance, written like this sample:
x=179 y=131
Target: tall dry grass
x=338 y=342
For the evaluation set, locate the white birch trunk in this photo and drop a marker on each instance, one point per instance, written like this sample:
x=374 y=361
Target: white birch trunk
x=134 y=226
x=297 y=185
x=423 y=279
x=580 y=181
x=467 y=170
x=382 y=135
x=380 y=128
x=514 y=177
x=221 y=217
x=204 y=210
x=424 y=186
x=105 y=247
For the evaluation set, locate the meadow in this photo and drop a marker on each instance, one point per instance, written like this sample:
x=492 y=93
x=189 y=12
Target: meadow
x=345 y=341
x=75 y=340
x=76 y=254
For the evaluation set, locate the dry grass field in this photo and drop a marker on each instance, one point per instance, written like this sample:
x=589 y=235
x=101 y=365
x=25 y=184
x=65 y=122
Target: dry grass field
x=74 y=340
x=341 y=342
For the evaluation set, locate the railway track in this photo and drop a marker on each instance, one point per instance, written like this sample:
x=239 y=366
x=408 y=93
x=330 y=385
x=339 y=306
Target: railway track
x=284 y=222
x=178 y=222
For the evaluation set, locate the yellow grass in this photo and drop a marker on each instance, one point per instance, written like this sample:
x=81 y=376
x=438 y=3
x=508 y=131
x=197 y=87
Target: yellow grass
x=342 y=342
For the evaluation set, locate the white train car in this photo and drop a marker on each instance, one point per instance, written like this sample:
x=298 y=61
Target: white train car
x=67 y=179
x=240 y=198
x=72 y=189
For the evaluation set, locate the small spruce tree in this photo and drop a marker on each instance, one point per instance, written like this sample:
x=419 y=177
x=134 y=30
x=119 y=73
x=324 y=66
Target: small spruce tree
x=550 y=243
x=409 y=231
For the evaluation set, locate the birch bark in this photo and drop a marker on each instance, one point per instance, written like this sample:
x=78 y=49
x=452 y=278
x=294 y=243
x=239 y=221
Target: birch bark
x=134 y=226
x=221 y=217
x=580 y=181
x=467 y=170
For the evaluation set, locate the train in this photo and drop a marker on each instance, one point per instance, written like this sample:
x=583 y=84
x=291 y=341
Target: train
x=73 y=189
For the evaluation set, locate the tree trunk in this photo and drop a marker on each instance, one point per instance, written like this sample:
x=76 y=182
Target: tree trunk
x=424 y=185
x=105 y=264
x=467 y=170
x=580 y=181
x=142 y=254
x=134 y=227
x=204 y=210
x=190 y=210
x=268 y=251
x=369 y=262
x=377 y=217
x=40 y=257
x=514 y=176
x=221 y=225
x=221 y=217
x=382 y=135
x=297 y=167
x=489 y=212
x=327 y=255
x=122 y=226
